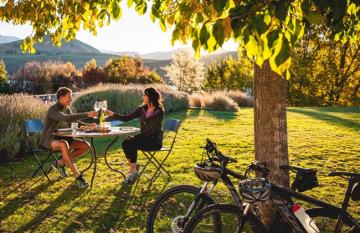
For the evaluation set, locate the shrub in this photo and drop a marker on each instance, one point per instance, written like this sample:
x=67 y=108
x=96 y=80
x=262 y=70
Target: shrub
x=124 y=99
x=196 y=101
x=241 y=98
x=219 y=102
x=126 y=70
x=93 y=74
x=14 y=109
x=46 y=77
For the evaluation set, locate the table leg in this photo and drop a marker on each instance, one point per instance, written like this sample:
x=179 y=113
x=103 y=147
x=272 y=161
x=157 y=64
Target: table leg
x=107 y=164
x=94 y=156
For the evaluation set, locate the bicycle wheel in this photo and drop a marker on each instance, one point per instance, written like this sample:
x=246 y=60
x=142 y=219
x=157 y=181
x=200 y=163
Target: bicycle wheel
x=326 y=219
x=231 y=220
x=167 y=214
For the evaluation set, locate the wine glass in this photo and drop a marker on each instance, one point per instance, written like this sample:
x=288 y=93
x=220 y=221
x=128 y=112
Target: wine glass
x=97 y=106
x=104 y=105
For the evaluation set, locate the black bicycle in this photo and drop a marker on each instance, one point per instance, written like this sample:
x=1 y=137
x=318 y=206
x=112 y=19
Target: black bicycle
x=173 y=209
x=328 y=218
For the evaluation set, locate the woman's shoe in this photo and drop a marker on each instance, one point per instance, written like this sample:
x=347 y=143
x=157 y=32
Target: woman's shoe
x=132 y=177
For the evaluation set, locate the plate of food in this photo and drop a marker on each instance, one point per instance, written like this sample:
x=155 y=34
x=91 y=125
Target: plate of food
x=87 y=128
x=64 y=129
x=93 y=128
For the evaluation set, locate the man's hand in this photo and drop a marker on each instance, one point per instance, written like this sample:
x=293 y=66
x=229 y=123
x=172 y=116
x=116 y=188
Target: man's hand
x=92 y=114
x=109 y=113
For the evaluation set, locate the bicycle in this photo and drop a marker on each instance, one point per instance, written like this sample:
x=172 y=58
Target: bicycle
x=281 y=198
x=173 y=217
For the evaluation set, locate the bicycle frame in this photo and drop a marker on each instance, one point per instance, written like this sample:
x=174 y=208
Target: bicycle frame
x=287 y=194
x=228 y=183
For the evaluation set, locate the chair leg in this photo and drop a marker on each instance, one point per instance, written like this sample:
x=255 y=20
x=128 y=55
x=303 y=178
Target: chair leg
x=149 y=156
x=41 y=166
x=161 y=167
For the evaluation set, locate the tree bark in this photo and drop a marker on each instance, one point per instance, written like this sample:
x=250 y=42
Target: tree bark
x=270 y=126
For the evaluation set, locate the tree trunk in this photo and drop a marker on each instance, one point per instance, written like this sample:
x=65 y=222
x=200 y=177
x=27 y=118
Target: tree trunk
x=270 y=125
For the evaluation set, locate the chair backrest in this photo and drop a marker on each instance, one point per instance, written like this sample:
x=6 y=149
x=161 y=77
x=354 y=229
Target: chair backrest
x=172 y=125
x=33 y=126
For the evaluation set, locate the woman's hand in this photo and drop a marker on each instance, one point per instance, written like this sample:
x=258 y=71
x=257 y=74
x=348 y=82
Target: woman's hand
x=92 y=114
x=109 y=113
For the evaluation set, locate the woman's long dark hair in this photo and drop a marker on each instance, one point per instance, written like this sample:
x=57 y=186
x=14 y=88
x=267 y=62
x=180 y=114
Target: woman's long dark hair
x=154 y=97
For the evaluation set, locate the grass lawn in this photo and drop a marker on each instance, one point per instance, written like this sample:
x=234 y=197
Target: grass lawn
x=323 y=138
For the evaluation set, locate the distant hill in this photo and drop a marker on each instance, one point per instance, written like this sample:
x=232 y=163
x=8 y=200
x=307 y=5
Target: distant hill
x=125 y=53
x=48 y=48
x=7 y=39
x=79 y=53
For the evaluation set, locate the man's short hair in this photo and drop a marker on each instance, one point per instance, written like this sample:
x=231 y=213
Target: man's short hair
x=62 y=91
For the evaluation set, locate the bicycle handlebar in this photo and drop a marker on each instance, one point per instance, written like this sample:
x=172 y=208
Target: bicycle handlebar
x=259 y=166
x=211 y=147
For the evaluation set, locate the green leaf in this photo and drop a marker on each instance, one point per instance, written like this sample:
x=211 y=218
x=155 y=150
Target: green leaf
x=176 y=34
x=284 y=53
x=219 y=5
x=259 y=24
x=130 y=3
x=211 y=44
x=204 y=35
x=162 y=25
x=218 y=33
x=196 y=47
x=199 y=18
x=141 y=8
x=288 y=75
x=315 y=18
x=272 y=36
x=116 y=10
x=281 y=9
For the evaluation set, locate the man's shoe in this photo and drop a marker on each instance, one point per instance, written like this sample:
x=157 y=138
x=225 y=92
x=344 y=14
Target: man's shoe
x=60 y=168
x=80 y=182
x=132 y=177
x=137 y=167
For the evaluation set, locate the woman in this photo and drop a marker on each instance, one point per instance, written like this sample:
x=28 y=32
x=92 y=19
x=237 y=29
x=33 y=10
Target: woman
x=151 y=113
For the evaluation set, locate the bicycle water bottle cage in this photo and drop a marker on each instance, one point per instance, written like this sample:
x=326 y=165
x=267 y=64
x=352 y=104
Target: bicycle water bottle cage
x=207 y=172
x=305 y=180
x=355 y=194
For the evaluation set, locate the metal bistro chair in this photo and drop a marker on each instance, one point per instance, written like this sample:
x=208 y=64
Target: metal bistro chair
x=33 y=127
x=170 y=125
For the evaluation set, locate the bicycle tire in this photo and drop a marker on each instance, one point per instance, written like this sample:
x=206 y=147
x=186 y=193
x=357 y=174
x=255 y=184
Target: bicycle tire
x=255 y=224
x=326 y=219
x=167 y=195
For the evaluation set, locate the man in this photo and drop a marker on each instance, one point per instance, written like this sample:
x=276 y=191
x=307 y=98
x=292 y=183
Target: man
x=69 y=147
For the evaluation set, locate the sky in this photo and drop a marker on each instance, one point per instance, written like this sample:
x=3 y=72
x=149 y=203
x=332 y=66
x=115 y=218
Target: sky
x=131 y=33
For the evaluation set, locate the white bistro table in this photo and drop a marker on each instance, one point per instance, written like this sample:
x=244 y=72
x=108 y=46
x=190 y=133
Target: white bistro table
x=115 y=133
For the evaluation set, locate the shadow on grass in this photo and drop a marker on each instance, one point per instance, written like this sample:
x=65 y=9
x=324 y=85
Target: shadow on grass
x=323 y=116
x=26 y=196
x=112 y=214
x=70 y=193
x=222 y=115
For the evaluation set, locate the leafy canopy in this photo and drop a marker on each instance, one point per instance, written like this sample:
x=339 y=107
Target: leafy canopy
x=266 y=28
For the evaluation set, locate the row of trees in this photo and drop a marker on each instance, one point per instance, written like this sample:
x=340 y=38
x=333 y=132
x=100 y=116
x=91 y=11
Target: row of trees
x=39 y=78
x=323 y=73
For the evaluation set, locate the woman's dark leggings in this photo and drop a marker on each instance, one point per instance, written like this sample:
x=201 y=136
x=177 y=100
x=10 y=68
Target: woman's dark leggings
x=131 y=147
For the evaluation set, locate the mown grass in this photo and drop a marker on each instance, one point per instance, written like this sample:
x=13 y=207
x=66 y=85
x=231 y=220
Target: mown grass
x=323 y=138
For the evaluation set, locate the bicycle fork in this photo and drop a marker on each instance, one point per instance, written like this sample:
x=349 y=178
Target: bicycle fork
x=197 y=203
